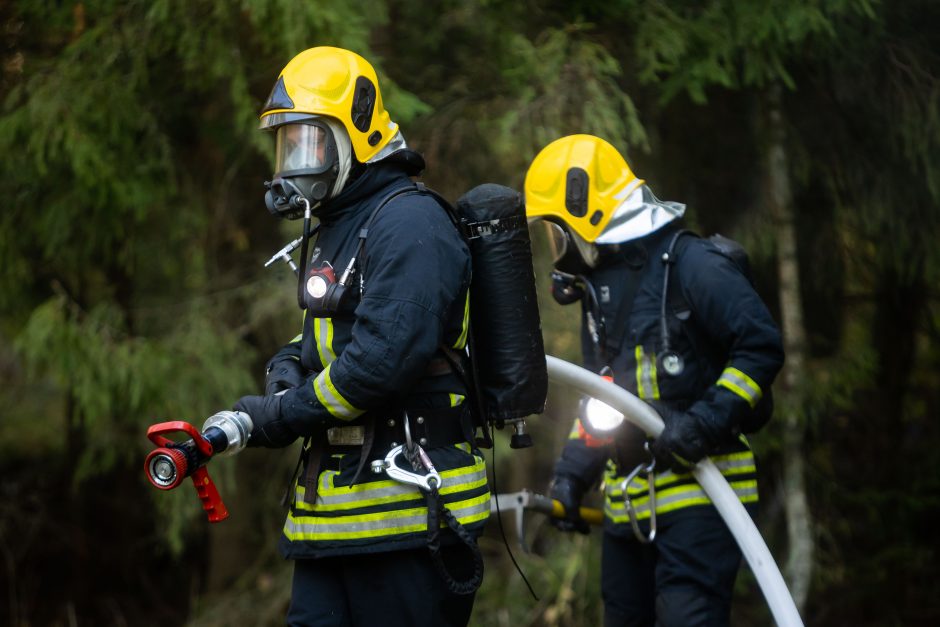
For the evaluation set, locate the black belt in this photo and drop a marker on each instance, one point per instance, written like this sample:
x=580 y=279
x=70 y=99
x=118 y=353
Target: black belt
x=430 y=428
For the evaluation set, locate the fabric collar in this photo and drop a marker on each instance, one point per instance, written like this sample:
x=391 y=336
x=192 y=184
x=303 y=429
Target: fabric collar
x=374 y=178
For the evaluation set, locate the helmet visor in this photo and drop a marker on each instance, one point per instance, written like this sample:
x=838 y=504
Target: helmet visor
x=557 y=240
x=304 y=148
x=570 y=253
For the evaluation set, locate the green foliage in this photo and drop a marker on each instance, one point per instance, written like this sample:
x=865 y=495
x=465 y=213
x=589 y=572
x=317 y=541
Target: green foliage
x=692 y=47
x=564 y=572
x=117 y=380
x=546 y=107
x=132 y=233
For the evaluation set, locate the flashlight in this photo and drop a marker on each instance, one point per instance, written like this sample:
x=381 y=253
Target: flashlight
x=598 y=421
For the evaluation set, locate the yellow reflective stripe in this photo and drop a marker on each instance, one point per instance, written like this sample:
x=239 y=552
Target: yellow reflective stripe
x=465 y=324
x=381 y=524
x=575 y=432
x=638 y=356
x=675 y=498
x=327 y=488
x=396 y=494
x=334 y=402
x=456 y=399
x=300 y=337
x=741 y=384
x=646 y=385
x=331 y=497
x=652 y=367
x=323 y=329
x=728 y=464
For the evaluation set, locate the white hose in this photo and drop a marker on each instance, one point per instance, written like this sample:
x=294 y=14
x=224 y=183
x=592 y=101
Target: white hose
x=709 y=477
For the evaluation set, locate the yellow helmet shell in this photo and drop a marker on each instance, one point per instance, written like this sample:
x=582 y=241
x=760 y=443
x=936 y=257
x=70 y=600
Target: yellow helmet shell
x=580 y=180
x=337 y=83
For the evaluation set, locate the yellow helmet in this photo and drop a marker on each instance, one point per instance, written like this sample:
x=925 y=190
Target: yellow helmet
x=337 y=83
x=579 y=180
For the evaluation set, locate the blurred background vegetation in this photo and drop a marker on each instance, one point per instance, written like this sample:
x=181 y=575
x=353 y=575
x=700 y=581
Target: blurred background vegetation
x=133 y=232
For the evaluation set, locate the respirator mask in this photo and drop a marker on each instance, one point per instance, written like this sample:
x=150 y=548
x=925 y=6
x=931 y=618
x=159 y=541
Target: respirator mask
x=571 y=254
x=311 y=165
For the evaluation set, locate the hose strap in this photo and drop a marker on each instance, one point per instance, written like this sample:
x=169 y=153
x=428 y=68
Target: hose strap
x=436 y=509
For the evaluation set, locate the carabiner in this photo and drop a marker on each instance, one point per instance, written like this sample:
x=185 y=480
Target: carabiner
x=628 y=502
x=427 y=482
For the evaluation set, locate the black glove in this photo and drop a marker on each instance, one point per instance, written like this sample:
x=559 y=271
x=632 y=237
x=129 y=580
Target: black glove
x=269 y=429
x=682 y=443
x=565 y=289
x=568 y=491
x=283 y=375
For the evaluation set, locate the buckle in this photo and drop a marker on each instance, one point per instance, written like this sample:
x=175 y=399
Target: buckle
x=353 y=435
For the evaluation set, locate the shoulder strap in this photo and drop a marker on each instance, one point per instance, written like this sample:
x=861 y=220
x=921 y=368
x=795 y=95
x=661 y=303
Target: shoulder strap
x=416 y=188
x=364 y=231
x=671 y=294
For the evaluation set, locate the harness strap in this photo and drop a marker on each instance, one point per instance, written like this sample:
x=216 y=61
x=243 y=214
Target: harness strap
x=314 y=456
x=669 y=260
x=368 y=439
x=288 y=497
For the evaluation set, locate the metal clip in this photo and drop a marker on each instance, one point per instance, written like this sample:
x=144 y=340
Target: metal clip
x=427 y=482
x=284 y=254
x=628 y=503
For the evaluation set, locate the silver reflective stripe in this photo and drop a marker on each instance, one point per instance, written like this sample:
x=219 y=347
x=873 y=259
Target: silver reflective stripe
x=741 y=384
x=324 y=331
x=646 y=384
x=331 y=399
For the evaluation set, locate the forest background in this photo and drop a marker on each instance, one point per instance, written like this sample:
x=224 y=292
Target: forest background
x=133 y=232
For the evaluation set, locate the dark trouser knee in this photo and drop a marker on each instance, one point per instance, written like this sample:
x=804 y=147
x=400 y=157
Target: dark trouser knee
x=690 y=606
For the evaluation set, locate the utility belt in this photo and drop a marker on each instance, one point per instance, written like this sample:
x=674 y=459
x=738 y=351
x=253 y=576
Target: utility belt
x=429 y=427
x=375 y=436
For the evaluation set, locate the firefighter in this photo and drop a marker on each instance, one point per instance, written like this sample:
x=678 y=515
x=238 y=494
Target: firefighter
x=700 y=346
x=384 y=289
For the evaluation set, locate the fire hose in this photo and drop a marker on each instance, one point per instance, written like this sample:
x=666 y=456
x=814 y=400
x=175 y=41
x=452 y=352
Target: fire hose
x=709 y=477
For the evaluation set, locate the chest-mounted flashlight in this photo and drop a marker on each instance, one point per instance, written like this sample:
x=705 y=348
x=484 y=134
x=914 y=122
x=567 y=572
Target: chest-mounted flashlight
x=599 y=421
x=324 y=294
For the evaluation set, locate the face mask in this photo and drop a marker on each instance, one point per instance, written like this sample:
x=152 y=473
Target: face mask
x=571 y=254
x=306 y=168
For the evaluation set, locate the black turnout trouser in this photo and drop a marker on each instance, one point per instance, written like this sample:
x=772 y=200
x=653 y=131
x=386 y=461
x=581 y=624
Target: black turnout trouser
x=388 y=589
x=685 y=578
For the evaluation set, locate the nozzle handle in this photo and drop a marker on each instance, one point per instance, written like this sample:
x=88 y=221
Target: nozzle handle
x=209 y=495
x=156 y=435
